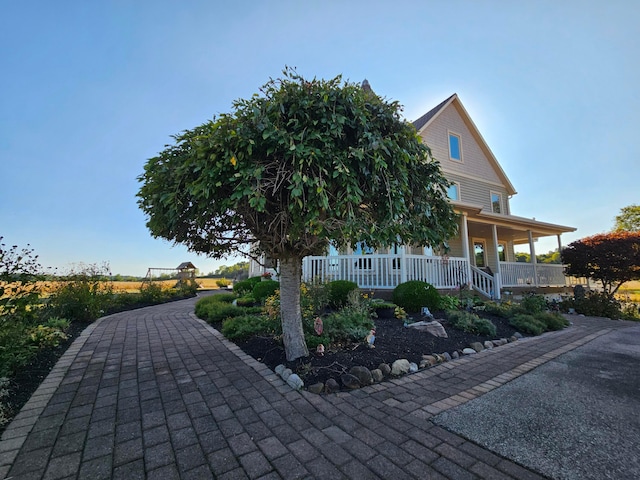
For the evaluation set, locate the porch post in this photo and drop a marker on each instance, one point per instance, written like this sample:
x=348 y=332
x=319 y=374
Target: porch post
x=403 y=264
x=559 y=244
x=465 y=245
x=534 y=262
x=497 y=278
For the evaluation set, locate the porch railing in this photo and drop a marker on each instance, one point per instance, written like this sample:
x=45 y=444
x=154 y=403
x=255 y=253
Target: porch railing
x=484 y=283
x=380 y=271
x=520 y=274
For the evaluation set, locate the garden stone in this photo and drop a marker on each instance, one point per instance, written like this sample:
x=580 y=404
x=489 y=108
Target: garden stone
x=377 y=375
x=413 y=368
x=316 y=387
x=499 y=343
x=350 y=381
x=439 y=358
x=385 y=369
x=279 y=369
x=468 y=351
x=295 y=382
x=513 y=338
x=517 y=335
x=477 y=346
x=455 y=355
x=447 y=357
x=435 y=328
x=286 y=373
x=362 y=374
x=400 y=367
x=488 y=344
x=332 y=386
x=429 y=360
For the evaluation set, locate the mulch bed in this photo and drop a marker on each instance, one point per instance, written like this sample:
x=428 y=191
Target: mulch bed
x=393 y=341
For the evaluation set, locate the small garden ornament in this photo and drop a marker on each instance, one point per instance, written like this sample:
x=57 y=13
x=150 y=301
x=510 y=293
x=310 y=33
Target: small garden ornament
x=320 y=350
x=318 y=326
x=371 y=338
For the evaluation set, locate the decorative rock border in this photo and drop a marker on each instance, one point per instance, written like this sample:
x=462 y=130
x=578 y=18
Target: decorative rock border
x=359 y=376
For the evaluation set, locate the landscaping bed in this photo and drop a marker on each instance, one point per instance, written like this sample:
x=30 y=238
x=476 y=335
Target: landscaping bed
x=393 y=341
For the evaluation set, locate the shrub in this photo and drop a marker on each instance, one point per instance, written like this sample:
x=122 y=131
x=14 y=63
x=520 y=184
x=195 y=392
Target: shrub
x=552 y=321
x=246 y=301
x=245 y=326
x=203 y=305
x=448 y=302
x=527 y=324
x=339 y=291
x=264 y=289
x=471 y=323
x=597 y=304
x=223 y=282
x=315 y=296
x=415 y=294
x=349 y=324
x=83 y=296
x=245 y=287
x=502 y=310
x=152 y=292
x=532 y=304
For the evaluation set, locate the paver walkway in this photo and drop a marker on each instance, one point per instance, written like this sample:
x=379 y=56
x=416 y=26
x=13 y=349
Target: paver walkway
x=157 y=393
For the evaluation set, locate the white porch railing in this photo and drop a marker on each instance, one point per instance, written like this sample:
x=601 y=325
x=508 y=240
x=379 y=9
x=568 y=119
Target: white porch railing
x=519 y=274
x=379 y=271
x=484 y=283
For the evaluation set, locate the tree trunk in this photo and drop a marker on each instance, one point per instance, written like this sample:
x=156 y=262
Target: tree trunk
x=292 y=334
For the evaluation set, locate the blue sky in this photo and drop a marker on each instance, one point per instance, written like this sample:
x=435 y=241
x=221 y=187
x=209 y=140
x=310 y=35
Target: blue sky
x=91 y=90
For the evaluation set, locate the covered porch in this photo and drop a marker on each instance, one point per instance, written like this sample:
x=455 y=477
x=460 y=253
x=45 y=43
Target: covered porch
x=482 y=257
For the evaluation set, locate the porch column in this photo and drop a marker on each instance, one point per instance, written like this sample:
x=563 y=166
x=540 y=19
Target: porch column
x=464 y=235
x=403 y=263
x=497 y=278
x=559 y=243
x=534 y=262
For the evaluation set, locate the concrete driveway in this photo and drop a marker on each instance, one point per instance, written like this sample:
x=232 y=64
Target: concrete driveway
x=575 y=417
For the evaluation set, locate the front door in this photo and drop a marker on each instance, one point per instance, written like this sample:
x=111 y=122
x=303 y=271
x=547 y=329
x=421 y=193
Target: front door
x=479 y=253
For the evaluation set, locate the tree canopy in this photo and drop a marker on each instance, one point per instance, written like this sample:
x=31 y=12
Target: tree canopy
x=629 y=219
x=611 y=258
x=302 y=163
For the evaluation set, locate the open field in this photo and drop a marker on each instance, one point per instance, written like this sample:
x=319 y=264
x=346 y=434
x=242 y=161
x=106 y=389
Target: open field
x=630 y=291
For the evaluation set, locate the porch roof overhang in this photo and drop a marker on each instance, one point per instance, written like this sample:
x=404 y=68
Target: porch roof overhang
x=510 y=227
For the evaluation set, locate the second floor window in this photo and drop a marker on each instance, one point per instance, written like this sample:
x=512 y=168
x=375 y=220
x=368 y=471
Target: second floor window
x=455 y=147
x=496 y=202
x=453 y=192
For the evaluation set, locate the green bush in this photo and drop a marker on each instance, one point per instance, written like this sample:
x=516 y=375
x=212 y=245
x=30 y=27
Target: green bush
x=83 y=296
x=448 y=302
x=223 y=282
x=246 y=301
x=501 y=310
x=348 y=324
x=527 y=324
x=245 y=326
x=532 y=304
x=214 y=310
x=552 y=321
x=245 y=287
x=594 y=304
x=264 y=289
x=471 y=323
x=415 y=294
x=152 y=292
x=339 y=291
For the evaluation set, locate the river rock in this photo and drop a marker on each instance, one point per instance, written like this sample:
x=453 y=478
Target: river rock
x=286 y=373
x=447 y=357
x=517 y=335
x=488 y=344
x=455 y=355
x=400 y=367
x=429 y=360
x=477 y=346
x=279 y=369
x=434 y=327
x=362 y=374
x=413 y=368
x=513 y=338
x=350 y=381
x=295 y=382
x=385 y=369
x=332 y=386
x=377 y=375
x=468 y=351
x=316 y=387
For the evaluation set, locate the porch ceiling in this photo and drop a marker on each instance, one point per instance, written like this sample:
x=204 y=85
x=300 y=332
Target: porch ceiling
x=510 y=227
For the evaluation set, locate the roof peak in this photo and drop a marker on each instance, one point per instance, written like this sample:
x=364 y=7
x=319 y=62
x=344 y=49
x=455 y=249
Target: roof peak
x=424 y=119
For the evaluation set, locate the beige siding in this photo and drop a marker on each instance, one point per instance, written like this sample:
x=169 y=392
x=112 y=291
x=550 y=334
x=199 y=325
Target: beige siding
x=474 y=161
x=477 y=192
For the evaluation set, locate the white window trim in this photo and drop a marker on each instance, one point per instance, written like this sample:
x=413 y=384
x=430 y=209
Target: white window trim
x=502 y=208
x=449 y=133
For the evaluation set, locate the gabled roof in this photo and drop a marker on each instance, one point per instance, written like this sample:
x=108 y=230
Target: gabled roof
x=425 y=120
x=186 y=266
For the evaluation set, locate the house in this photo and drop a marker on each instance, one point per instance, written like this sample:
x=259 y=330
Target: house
x=482 y=256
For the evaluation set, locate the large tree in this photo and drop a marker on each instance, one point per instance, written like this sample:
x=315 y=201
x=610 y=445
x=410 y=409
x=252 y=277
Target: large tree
x=610 y=258
x=302 y=163
x=629 y=219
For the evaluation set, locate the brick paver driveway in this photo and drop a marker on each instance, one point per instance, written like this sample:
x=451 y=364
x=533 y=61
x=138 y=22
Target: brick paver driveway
x=156 y=393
